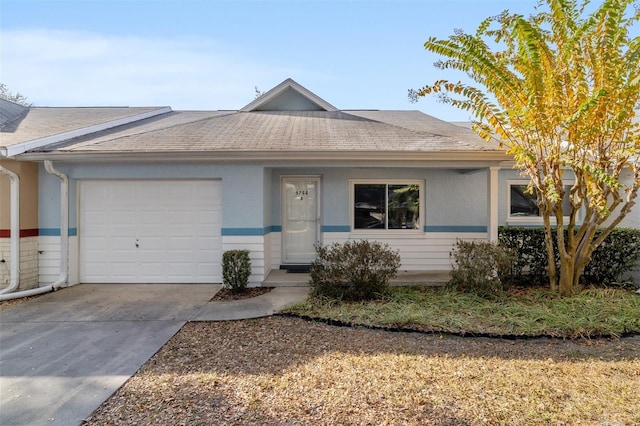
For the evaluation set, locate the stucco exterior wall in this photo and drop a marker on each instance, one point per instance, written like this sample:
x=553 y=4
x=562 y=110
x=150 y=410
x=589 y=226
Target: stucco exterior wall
x=455 y=206
x=28 y=174
x=28 y=181
x=454 y=199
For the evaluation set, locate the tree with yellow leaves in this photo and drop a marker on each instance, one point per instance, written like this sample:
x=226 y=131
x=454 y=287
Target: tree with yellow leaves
x=561 y=90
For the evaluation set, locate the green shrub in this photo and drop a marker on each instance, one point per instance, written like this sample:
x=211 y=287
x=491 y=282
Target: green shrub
x=614 y=259
x=478 y=267
x=529 y=266
x=610 y=264
x=236 y=268
x=355 y=270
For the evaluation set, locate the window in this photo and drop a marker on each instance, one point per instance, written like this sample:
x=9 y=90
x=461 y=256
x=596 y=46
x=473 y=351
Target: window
x=524 y=205
x=392 y=205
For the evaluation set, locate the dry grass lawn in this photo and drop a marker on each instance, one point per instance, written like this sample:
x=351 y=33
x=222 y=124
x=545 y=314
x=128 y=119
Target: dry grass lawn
x=287 y=371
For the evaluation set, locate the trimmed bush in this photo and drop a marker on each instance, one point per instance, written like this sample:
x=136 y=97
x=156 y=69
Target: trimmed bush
x=479 y=267
x=611 y=263
x=355 y=270
x=236 y=268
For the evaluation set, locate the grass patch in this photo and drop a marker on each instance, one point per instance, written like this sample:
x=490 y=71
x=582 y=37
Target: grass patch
x=521 y=312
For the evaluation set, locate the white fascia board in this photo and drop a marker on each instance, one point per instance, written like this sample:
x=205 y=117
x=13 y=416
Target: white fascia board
x=23 y=147
x=449 y=158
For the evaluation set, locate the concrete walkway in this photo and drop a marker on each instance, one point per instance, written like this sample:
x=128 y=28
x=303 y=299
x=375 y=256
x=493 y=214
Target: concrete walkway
x=64 y=353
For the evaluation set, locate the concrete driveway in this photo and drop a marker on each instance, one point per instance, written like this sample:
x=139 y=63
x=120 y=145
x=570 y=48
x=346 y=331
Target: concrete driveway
x=64 y=353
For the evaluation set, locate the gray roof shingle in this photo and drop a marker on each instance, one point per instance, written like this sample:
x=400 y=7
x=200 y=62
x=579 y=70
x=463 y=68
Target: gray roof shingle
x=41 y=122
x=10 y=112
x=274 y=131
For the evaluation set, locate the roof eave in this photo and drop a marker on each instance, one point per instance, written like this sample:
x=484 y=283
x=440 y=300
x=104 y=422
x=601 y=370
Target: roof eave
x=20 y=148
x=306 y=156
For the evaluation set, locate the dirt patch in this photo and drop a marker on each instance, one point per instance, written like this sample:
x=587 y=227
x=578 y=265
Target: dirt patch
x=6 y=304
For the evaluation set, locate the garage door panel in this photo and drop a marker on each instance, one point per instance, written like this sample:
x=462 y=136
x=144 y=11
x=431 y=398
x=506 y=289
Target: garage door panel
x=206 y=243
x=153 y=271
x=176 y=225
x=118 y=243
x=152 y=217
x=181 y=243
x=121 y=269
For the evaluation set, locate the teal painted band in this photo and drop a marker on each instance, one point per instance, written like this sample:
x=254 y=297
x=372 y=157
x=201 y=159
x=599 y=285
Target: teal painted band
x=336 y=228
x=243 y=232
x=55 y=232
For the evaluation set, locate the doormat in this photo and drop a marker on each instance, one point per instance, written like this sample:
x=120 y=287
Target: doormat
x=296 y=269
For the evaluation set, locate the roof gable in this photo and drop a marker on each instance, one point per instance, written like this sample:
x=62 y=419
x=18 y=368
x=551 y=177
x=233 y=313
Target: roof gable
x=289 y=96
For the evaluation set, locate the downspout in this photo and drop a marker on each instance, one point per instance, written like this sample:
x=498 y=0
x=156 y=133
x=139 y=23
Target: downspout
x=64 y=224
x=15 y=231
x=64 y=240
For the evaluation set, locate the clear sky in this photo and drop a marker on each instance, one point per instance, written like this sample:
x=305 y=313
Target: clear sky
x=199 y=54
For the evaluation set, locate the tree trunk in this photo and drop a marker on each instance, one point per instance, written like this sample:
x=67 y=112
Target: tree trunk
x=573 y=261
x=567 y=275
x=551 y=257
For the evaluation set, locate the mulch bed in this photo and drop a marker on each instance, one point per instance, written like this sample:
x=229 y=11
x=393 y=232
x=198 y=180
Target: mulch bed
x=286 y=371
x=225 y=294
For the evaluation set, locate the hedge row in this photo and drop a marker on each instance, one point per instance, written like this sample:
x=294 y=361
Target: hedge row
x=611 y=262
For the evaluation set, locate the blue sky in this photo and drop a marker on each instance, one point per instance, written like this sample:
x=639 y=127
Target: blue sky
x=198 y=54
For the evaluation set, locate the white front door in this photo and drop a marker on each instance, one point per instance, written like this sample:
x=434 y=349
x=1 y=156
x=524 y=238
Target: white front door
x=300 y=218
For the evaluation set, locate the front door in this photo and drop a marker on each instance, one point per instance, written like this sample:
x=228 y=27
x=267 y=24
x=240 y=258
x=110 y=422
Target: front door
x=300 y=218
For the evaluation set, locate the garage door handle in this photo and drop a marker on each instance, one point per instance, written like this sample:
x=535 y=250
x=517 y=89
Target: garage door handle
x=137 y=245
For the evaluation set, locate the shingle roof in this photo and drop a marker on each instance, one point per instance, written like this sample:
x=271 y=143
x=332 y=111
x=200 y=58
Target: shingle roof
x=10 y=112
x=41 y=122
x=275 y=131
x=287 y=119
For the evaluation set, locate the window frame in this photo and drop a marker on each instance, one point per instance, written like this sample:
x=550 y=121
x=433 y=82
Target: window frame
x=531 y=220
x=421 y=212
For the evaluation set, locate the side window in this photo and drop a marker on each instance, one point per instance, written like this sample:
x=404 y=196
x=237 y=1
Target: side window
x=524 y=204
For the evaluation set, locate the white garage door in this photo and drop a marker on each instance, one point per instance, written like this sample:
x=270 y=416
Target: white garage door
x=142 y=231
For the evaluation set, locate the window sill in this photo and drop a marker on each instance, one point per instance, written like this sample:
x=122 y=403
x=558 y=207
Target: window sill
x=393 y=233
x=534 y=221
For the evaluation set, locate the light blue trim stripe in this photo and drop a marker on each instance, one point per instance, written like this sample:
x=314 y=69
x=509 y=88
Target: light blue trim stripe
x=272 y=228
x=336 y=228
x=55 y=232
x=463 y=228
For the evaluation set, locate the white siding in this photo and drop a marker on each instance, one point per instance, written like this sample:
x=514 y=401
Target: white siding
x=276 y=250
x=255 y=245
x=268 y=257
x=49 y=259
x=418 y=252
